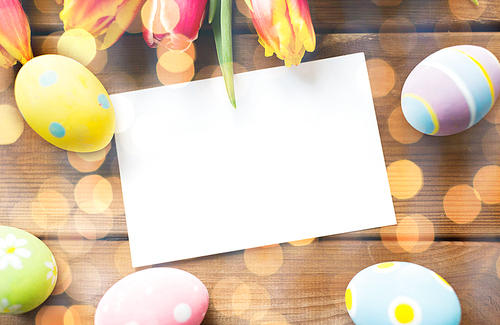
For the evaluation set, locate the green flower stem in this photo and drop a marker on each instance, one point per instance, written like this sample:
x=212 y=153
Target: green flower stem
x=221 y=26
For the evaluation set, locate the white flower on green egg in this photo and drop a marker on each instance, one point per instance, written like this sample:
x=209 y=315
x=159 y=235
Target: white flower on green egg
x=11 y=252
x=7 y=308
x=52 y=274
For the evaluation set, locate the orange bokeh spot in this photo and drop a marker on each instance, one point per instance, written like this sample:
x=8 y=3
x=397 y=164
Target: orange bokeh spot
x=93 y=194
x=63 y=276
x=487 y=184
x=51 y=315
x=382 y=78
x=176 y=62
x=79 y=314
x=303 y=242
x=248 y=299
x=405 y=179
x=413 y=234
x=400 y=129
x=462 y=204
x=88 y=162
x=86 y=281
x=466 y=9
x=222 y=295
x=11 y=123
x=170 y=78
x=398 y=36
x=264 y=260
x=6 y=78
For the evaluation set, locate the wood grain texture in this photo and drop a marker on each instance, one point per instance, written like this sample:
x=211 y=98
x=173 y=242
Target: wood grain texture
x=41 y=187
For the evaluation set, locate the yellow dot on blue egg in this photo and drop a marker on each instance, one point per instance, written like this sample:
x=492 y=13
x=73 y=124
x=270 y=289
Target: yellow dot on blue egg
x=103 y=101
x=57 y=130
x=48 y=78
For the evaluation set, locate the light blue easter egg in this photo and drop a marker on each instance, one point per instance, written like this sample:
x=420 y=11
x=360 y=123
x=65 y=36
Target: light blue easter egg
x=401 y=293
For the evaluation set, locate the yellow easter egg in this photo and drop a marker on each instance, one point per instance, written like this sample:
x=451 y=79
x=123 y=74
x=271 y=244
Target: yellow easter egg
x=65 y=103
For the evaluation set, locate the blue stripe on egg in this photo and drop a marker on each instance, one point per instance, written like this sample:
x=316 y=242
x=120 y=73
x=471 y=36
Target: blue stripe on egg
x=468 y=76
x=417 y=110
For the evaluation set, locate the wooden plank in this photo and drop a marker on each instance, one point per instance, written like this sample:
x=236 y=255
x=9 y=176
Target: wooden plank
x=301 y=284
x=339 y=16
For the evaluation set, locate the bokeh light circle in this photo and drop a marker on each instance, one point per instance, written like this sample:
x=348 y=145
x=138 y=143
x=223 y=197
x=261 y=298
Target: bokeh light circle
x=248 y=299
x=63 y=276
x=303 y=242
x=6 y=78
x=86 y=281
x=405 y=179
x=462 y=204
x=51 y=315
x=466 y=9
x=415 y=233
x=11 y=124
x=382 y=77
x=93 y=194
x=222 y=295
x=398 y=36
x=400 y=129
x=491 y=149
x=77 y=44
x=175 y=61
x=264 y=260
x=487 y=184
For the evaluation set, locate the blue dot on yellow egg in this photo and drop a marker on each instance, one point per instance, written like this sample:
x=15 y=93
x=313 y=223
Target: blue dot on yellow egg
x=103 y=101
x=57 y=130
x=48 y=78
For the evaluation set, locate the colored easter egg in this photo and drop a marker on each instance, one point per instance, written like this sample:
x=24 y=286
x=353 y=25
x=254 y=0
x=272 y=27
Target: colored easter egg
x=401 y=293
x=65 y=103
x=154 y=296
x=451 y=90
x=28 y=271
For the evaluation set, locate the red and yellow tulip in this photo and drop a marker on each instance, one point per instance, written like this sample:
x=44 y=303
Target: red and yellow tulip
x=15 y=34
x=106 y=20
x=284 y=27
x=175 y=23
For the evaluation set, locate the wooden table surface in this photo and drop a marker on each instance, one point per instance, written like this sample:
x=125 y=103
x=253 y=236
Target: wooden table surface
x=446 y=190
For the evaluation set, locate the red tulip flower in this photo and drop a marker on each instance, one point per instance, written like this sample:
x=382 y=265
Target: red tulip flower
x=174 y=23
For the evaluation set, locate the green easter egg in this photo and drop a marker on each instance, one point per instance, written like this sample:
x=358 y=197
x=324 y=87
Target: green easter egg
x=28 y=271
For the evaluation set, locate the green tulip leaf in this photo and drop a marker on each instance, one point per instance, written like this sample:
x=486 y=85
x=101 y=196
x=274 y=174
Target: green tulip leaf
x=221 y=26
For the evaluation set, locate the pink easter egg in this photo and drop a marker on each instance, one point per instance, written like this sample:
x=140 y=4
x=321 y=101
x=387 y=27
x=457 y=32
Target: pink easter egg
x=163 y=296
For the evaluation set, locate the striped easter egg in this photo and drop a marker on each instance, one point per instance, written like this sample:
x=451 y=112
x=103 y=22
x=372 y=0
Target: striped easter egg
x=451 y=90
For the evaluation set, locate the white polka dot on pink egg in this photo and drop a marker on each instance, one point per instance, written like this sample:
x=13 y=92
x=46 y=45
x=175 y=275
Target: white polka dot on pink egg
x=154 y=296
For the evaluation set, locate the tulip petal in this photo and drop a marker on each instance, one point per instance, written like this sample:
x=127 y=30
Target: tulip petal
x=109 y=18
x=6 y=60
x=224 y=45
x=123 y=19
x=284 y=28
x=15 y=33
